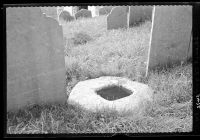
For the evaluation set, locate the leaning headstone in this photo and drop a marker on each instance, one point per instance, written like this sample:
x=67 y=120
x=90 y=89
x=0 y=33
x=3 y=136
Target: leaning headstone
x=50 y=11
x=117 y=18
x=139 y=14
x=35 y=58
x=65 y=17
x=83 y=13
x=171 y=36
x=105 y=10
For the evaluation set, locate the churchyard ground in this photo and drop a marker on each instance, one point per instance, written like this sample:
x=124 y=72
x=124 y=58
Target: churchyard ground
x=92 y=51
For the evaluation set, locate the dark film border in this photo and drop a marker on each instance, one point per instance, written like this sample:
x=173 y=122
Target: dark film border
x=195 y=65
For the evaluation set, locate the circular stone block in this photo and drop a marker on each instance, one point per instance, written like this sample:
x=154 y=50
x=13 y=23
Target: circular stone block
x=85 y=95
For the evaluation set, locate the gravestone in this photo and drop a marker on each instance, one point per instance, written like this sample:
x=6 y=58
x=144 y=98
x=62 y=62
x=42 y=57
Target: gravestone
x=117 y=18
x=105 y=10
x=35 y=58
x=83 y=13
x=171 y=36
x=139 y=14
x=65 y=17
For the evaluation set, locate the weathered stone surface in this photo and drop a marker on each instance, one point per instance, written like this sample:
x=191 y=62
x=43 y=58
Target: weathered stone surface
x=117 y=18
x=84 y=94
x=105 y=10
x=50 y=11
x=35 y=58
x=139 y=14
x=170 y=38
x=65 y=17
x=83 y=13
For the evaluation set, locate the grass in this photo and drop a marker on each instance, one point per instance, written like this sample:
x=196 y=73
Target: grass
x=119 y=53
x=116 y=52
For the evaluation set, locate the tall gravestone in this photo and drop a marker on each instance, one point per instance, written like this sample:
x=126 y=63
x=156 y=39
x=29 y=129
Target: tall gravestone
x=117 y=18
x=35 y=58
x=83 y=13
x=171 y=36
x=139 y=14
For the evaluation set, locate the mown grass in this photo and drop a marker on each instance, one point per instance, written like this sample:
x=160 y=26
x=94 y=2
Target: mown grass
x=118 y=53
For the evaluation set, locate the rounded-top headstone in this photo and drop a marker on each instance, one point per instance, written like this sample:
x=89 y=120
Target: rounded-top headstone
x=65 y=17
